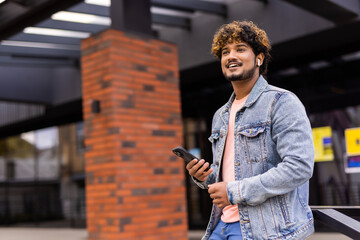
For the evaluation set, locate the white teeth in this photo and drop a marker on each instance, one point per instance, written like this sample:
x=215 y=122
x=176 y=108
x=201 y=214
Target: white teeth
x=232 y=65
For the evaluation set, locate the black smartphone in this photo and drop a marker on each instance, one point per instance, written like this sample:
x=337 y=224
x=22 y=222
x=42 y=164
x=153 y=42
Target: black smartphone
x=186 y=155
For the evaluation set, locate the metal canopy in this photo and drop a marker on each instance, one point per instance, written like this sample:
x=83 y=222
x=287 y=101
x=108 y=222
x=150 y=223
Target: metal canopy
x=332 y=10
x=45 y=51
x=299 y=52
x=16 y=15
x=20 y=48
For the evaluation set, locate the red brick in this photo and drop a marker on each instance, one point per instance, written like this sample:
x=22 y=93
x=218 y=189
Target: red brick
x=133 y=190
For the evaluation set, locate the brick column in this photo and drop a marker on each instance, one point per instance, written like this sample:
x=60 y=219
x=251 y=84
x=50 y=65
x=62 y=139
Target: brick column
x=134 y=184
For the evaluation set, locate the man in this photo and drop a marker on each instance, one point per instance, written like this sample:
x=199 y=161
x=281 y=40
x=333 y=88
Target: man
x=262 y=147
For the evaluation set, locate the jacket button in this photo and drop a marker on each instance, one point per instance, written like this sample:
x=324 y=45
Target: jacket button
x=217 y=163
x=221 y=135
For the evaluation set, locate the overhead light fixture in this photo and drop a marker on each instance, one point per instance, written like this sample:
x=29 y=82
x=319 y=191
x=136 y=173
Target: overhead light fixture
x=105 y=3
x=165 y=11
x=351 y=56
x=319 y=65
x=39 y=45
x=81 y=18
x=56 y=32
x=288 y=72
x=1 y=1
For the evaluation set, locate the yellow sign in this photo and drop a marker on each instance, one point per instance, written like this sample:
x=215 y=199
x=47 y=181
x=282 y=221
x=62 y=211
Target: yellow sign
x=323 y=144
x=352 y=137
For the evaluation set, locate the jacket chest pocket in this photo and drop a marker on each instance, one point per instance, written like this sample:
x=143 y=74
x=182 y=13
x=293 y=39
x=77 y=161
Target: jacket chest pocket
x=254 y=144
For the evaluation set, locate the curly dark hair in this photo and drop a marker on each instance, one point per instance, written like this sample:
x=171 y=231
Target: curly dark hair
x=245 y=31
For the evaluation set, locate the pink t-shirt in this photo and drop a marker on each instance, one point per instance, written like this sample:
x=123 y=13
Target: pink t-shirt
x=231 y=212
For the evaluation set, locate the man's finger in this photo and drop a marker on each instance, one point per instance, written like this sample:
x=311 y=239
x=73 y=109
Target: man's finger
x=204 y=166
x=200 y=174
x=208 y=172
x=212 y=196
x=197 y=167
x=212 y=192
x=211 y=189
x=191 y=164
x=218 y=201
x=194 y=168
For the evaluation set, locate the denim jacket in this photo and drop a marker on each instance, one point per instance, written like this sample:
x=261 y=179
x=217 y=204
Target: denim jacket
x=274 y=158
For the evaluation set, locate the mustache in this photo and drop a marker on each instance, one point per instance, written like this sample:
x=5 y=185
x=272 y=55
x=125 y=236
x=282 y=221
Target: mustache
x=234 y=62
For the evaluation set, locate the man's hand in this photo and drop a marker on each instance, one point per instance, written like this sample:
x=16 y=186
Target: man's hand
x=218 y=193
x=197 y=169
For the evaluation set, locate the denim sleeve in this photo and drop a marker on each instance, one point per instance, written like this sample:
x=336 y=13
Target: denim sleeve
x=291 y=132
x=210 y=179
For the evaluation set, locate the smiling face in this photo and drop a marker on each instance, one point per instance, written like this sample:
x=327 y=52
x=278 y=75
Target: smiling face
x=243 y=32
x=238 y=62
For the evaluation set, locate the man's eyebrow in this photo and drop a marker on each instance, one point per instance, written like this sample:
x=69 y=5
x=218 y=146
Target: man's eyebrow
x=241 y=45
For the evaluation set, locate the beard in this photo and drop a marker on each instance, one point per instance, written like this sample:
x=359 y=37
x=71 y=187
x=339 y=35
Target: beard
x=242 y=76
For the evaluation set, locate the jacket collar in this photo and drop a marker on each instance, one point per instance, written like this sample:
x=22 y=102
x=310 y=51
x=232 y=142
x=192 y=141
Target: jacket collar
x=255 y=93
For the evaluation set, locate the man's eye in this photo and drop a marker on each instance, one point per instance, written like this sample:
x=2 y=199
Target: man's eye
x=241 y=49
x=225 y=52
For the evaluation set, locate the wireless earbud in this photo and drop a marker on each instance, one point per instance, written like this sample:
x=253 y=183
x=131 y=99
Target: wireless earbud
x=259 y=62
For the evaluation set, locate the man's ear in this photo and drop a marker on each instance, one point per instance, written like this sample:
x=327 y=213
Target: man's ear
x=260 y=59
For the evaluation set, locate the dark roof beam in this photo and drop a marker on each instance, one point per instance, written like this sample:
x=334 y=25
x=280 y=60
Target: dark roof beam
x=316 y=46
x=29 y=61
x=44 y=39
x=72 y=26
x=183 y=5
x=333 y=10
x=181 y=22
x=33 y=89
x=90 y=9
x=29 y=3
x=9 y=11
x=58 y=115
x=192 y=6
x=39 y=52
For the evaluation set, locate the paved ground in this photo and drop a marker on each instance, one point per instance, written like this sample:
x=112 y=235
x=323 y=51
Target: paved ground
x=17 y=233
x=196 y=235
x=42 y=234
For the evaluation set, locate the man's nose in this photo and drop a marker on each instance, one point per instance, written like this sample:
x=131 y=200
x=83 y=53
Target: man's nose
x=232 y=54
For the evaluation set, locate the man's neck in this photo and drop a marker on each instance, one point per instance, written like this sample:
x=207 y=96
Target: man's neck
x=243 y=88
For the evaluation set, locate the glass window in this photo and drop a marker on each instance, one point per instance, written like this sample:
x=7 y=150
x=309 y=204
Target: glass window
x=80 y=141
x=47 y=142
x=2 y=161
x=20 y=157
